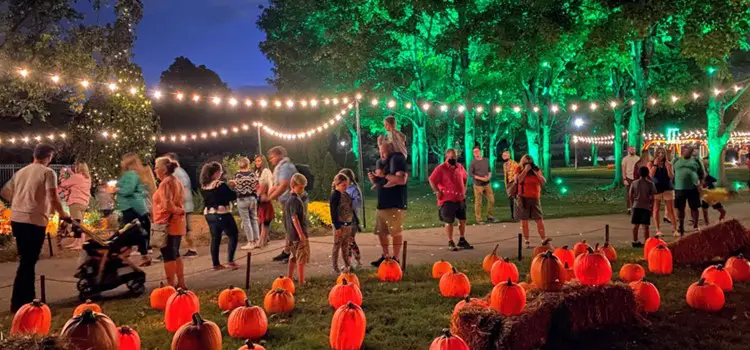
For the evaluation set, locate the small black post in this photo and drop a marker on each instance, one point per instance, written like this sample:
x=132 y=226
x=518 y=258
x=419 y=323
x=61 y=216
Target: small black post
x=49 y=243
x=247 y=271
x=403 y=257
x=43 y=289
x=520 y=247
x=606 y=233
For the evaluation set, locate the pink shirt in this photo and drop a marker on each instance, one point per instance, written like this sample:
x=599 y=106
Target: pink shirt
x=78 y=188
x=451 y=181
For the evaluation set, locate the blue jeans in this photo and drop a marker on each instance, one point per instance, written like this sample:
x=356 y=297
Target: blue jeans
x=218 y=224
x=248 y=209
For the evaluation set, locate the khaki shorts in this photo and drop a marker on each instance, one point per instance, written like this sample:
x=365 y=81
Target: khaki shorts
x=300 y=251
x=389 y=222
x=77 y=211
x=528 y=209
x=665 y=196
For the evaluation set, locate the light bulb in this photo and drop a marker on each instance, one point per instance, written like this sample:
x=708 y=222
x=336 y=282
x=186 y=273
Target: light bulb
x=613 y=104
x=232 y=101
x=517 y=109
x=196 y=98
x=574 y=107
x=554 y=108
x=289 y=103
x=653 y=101
x=461 y=108
x=407 y=105
x=313 y=102
x=696 y=95
x=277 y=103
x=374 y=102
x=443 y=108
x=426 y=106
x=263 y=103
x=498 y=109
x=157 y=94
x=180 y=96
x=55 y=78
x=391 y=104
x=535 y=109
x=85 y=84
x=674 y=98
x=594 y=106
x=480 y=109
x=23 y=72
x=112 y=86
x=133 y=90
x=248 y=102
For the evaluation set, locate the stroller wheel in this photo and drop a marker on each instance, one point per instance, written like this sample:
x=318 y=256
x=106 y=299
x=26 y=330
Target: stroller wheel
x=85 y=291
x=136 y=286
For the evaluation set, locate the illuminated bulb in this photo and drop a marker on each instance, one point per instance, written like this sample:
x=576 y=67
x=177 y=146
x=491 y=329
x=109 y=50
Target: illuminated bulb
x=51 y=136
x=38 y=138
x=327 y=101
x=517 y=109
x=594 y=106
x=303 y=103
x=157 y=94
x=263 y=103
x=25 y=139
x=717 y=92
x=85 y=84
x=426 y=106
x=180 y=96
x=245 y=127
x=194 y=136
x=696 y=95
x=335 y=101
x=63 y=136
x=112 y=86
x=133 y=91
x=289 y=103
x=24 y=72
x=574 y=107
x=277 y=103
x=204 y=135
x=737 y=88
x=105 y=134
x=216 y=100
x=443 y=108
x=653 y=101
x=224 y=131
x=345 y=100
x=391 y=104
x=498 y=109
x=632 y=102
x=374 y=102
x=554 y=109
x=214 y=133
x=461 y=108
x=319 y=129
x=196 y=98
x=613 y=104
x=55 y=78
x=173 y=138
x=183 y=138
x=407 y=105
x=535 y=109
x=313 y=102
x=232 y=101
x=358 y=96
x=674 y=98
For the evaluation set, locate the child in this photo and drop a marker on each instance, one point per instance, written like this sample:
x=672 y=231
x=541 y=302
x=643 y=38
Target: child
x=295 y=216
x=246 y=186
x=356 y=194
x=397 y=138
x=642 y=192
x=710 y=183
x=379 y=166
x=342 y=217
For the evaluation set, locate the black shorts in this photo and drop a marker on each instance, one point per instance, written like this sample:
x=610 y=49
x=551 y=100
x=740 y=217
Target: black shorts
x=690 y=197
x=450 y=211
x=716 y=205
x=641 y=216
x=172 y=251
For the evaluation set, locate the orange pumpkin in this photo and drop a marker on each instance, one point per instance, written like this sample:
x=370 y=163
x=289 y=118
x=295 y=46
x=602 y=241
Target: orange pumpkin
x=88 y=305
x=719 y=276
x=454 y=284
x=390 y=271
x=609 y=252
x=180 y=309
x=250 y=346
x=592 y=268
x=490 y=259
x=247 y=322
x=448 y=341
x=129 y=339
x=632 y=272
x=543 y=248
x=160 y=296
x=650 y=244
x=344 y=293
x=440 y=268
x=197 y=335
x=350 y=278
x=278 y=301
x=468 y=302
x=569 y=273
x=705 y=296
x=565 y=255
x=660 y=260
x=91 y=330
x=547 y=273
x=348 y=328
x=580 y=248
x=284 y=283
x=508 y=298
x=231 y=298
x=739 y=268
x=502 y=270
x=33 y=318
x=646 y=295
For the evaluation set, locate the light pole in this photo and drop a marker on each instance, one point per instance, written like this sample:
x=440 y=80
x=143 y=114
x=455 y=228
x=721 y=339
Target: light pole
x=578 y=123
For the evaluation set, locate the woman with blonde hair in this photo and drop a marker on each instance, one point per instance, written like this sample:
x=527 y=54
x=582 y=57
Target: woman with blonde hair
x=132 y=190
x=78 y=193
x=266 y=211
x=246 y=186
x=169 y=217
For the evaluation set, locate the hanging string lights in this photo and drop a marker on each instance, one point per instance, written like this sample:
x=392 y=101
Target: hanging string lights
x=684 y=136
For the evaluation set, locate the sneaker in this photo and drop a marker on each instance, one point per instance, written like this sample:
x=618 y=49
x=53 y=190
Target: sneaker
x=232 y=265
x=377 y=263
x=463 y=244
x=452 y=246
x=285 y=261
x=219 y=267
x=247 y=246
x=281 y=257
x=630 y=212
x=528 y=245
x=480 y=222
x=396 y=260
x=157 y=259
x=145 y=261
x=491 y=220
x=637 y=244
x=151 y=251
x=190 y=254
x=666 y=220
x=659 y=234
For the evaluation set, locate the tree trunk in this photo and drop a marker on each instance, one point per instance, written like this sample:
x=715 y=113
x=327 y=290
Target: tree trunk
x=451 y=132
x=567 y=149
x=414 y=154
x=546 y=151
x=532 y=135
x=423 y=154
x=617 y=146
x=492 y=152
x=355 y=143
x=640 y=78
x=595 y=155
x=468 y=136
x=717 y=138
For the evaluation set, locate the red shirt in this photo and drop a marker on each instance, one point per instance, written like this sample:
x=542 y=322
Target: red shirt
x=451 y=181
x=530 y=187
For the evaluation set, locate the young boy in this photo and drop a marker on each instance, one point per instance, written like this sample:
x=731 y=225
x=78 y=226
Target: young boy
x=710 y=183
x=642 y=192
x=342 y=217
x=397 y=138
x=295 y=216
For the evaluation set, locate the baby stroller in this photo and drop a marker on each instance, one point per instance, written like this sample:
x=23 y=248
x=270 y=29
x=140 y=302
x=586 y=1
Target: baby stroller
x=106 y=265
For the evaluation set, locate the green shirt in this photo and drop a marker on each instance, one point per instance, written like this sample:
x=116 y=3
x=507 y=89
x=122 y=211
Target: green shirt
x=130 y=192
x=687 y=173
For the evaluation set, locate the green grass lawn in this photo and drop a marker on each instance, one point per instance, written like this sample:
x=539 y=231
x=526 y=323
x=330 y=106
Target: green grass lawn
x=410 y=313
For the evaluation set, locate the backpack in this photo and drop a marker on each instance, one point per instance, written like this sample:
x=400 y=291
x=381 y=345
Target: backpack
x=304 y=169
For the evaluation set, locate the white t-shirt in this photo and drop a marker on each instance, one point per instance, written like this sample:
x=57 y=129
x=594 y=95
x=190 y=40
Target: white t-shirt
x=266 y=178
x=28 y=190
x=628 y=166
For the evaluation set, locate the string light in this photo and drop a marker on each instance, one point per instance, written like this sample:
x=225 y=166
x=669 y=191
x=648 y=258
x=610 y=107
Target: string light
x=196 y=98
x=554 y=108
x=374 y=102
x=443 y=108
x=216 y=100
x=653 y=101
x=517 y=109
x=289 y=103
x=535 y=109
x=696 y=95
x=391 y=104
x=594 y=106
x=426 y=106
x=480 y=109
x=407 y=105
x=133 y=90
x=112 y=87
x=674 y=98
x=461 y=108
x=23 y=72
x=233 y=102
x=498 y=109
x=613 y=104
x=55 y=78
x=85 y=84
x=157 y=94
x=685 y=136
x=574 y=107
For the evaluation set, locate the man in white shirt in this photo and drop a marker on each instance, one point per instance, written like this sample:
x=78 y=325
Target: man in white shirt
x=628 y=172
x=32 y=192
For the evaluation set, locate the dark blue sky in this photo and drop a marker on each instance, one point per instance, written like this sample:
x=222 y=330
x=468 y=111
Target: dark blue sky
x=220 y=34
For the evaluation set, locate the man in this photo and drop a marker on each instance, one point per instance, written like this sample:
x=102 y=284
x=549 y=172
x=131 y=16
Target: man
x=628 y=173
x=32 y=192
x=391 y=208
x=283 y=170
x=688 y=177
x=509 y=172
x=480 y=172
x=395 y=137
x=448 y=181
x=187 y=187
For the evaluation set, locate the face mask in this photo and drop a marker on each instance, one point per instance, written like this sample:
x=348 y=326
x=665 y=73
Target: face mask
x=452 y=161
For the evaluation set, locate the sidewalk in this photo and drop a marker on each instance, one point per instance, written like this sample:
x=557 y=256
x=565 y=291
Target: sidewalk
x=424 y=246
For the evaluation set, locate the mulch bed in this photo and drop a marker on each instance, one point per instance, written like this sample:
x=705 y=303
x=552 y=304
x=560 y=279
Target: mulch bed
x=720 y=240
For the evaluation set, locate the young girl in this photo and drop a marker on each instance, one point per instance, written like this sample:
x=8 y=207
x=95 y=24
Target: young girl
x=342 y=217
x=78 y=193
x=217 y=202
x=354 y=191
x=247 y=202
x=131 y=191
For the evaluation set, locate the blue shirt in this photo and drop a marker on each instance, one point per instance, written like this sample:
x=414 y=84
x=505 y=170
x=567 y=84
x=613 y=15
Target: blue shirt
x=283 y=171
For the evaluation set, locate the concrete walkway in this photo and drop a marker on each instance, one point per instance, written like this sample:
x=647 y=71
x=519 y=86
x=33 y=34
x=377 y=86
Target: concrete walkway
x=424 y=246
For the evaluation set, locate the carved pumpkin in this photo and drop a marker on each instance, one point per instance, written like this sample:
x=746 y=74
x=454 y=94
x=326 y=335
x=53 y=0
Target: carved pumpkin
x=650 y=244
x=88 y=305
x=129 y=339
x=284 y=283
x=198 y=334
x=739 y=268
x=565 y=255
x=454 y=284
x=231 y=298
x=469 y=302
x=646 y=295
x=632 y=272
x=33 y=318
x=705 y=296
x=250 y=346
x=502 y=270
x=440 y=268
x=609 y=252
x=660 y=260
x=543 y=248
x=160 y=296
x=592 y=268
x=348 y=328
x=344 y=293
x=490 y=259
x=448 y=341
x=508 y=298
x=350 y=278
x=180 y=309
x=547 y=273
x=278 y=301
x=719 y=276
x=580 y=248
x=247 y=322
x=390 y=271
x=91 y=330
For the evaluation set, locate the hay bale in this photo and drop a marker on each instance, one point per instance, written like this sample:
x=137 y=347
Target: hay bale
x=530 y=329
x=716 y=241
x=35 y=343
x=585 y=308
x=478 y=327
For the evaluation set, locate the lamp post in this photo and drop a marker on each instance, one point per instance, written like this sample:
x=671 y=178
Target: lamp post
x=578 y=123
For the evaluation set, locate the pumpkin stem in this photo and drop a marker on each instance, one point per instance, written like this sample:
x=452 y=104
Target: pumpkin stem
x=247 y=302
x=161 y=284
x=36 y=303
x=197 y=319
x=565 y=247
x=566 y=265
x=494 y=251
x=720 y=267
x=546 y=241
x=454 y=270
x=510 y=283
x=344 y=282
x=596 y=247
x=231 y=287
x=88 y=301
x=702 y=282
x=591 y=251
x=350 y=305
x=447 y=332
x=467 y=299
x=548 y=254
x=126 y=330
x=88 y=317
x=740 y=256
x=506 y=260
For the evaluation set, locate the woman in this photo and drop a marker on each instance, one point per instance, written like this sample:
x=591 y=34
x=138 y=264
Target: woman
x=528 y=205
x=131 y=201
x=246 y=186
x=662 y=174
x=78 y=193
x=265 y=209
x=356 y=193
x=217 y=203
x=169 y=215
